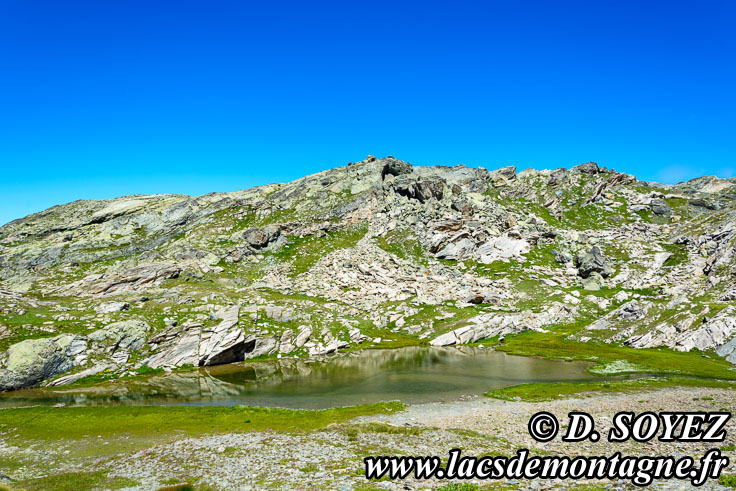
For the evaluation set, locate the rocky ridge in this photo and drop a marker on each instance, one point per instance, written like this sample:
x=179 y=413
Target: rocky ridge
x=379 y=253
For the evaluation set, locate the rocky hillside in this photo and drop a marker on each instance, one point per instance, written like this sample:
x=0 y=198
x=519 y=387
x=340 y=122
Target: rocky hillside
x=379 y=253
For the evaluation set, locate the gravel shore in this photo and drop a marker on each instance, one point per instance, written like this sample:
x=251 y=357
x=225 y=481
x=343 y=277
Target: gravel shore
x=332 y=458
x=477 y=425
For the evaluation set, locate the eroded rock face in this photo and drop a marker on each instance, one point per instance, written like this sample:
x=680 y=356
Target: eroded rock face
x=133 y=279
x=34 y=360
x=717 y=333
x=421 y=189
x=225 y=343
x=176 y=348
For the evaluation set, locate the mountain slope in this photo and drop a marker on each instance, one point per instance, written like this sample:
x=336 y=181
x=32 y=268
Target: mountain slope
x=379 y=253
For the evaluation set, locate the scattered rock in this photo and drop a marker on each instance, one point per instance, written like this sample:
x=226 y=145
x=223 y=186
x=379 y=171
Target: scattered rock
x=593 y=282
x=110 y=307
x=593 y=262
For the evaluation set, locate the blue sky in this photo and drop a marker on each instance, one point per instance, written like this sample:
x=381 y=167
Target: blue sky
x=101 y=99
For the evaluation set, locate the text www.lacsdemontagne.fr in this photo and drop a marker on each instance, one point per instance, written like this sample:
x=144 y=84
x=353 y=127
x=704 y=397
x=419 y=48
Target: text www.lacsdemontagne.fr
x=641 y=471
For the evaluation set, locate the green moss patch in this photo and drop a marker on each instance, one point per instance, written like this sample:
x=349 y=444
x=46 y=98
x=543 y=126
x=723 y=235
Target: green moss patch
x=50 y=423
x=73 y=481
x=555 y=344
x=537 y=392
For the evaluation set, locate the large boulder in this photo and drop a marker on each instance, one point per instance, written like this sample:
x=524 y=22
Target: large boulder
x=556 y=177
x=286 y=344
x=130 y=334
x=501 y=248
x=501 y=177
x=304 y=334
x=258 y=238
x=457 y=251
x=593 y=262
x=395 y=167
x=225 y=343
x=563 y=257
x=32 y=361
x=111 y=307
x=660 y=207
x=594 y=282
x=587 y=168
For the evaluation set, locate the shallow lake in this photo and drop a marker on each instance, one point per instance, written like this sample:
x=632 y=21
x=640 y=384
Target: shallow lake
x=411 y=375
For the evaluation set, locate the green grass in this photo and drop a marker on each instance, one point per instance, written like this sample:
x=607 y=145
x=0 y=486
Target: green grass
x=105 y=376
x=537 y=392
x=660 y=360
x=83 y=437
x=728 y=480
x=50 y=423
x=679 y=254
x=304 y=252
x=73 y=481
x=25 y=326
x=459 y=486
x=403 y=244
x=352 y=431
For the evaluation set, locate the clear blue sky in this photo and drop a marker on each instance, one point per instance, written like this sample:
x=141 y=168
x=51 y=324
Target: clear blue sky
x=104 y=98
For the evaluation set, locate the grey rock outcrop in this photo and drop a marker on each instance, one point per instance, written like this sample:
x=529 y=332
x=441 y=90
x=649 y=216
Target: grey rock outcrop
x=225 y=343
x=258 y=238
x=587 y=168
x=499 y=324
x=421 y=189
x=34 y=360
x=262 y=346
x=304 y=334
x=130 y=334
x=563 y=257
x=660 y=207
x=501 y=177
x=593 y=282
x=110 y=307
x=556 y=177
x=593 y=262
x=717 y=333
x=176 y=348
x=395 y=167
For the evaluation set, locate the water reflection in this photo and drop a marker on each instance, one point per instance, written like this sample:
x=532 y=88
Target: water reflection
x=412 y=375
